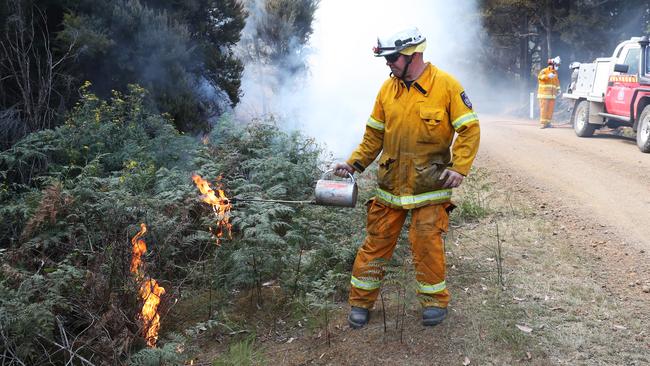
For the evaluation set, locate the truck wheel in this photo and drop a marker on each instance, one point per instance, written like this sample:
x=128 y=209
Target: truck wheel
x=643 y=131
x=580 y=120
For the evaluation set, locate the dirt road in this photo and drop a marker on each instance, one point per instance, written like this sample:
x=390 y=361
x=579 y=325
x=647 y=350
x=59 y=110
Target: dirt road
x=605 y=178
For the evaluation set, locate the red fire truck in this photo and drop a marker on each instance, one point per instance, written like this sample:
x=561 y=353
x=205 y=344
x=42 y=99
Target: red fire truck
x=613 y=92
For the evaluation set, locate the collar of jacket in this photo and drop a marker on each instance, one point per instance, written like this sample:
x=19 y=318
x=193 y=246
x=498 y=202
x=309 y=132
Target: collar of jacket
x=422 y=84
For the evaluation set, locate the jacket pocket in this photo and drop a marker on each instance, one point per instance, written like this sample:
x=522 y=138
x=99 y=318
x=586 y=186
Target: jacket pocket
x=432 y=115
x=386 y=174
x=433 y=120
x=427 y=174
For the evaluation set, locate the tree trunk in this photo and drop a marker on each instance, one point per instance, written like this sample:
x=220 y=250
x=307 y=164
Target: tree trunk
x=524 y=61
x=549 y=28
x=30 y=71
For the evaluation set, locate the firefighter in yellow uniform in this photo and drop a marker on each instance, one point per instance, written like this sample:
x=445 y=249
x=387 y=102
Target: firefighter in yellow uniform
x=548 y=89
x=416 y=114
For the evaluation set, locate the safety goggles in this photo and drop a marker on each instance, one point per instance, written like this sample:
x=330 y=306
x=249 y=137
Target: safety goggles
x=392 y=57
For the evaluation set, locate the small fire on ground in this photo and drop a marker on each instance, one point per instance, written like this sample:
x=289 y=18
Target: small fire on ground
x=221 y=205
x=150 y=292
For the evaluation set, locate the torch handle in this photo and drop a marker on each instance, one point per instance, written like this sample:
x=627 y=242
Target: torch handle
x=332 y=170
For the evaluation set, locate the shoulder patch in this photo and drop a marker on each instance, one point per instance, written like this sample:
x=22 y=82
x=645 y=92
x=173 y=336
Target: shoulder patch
x=465 y=99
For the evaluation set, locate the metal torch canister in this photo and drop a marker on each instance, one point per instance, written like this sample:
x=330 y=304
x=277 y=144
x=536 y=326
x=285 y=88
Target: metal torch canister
x=342 y=193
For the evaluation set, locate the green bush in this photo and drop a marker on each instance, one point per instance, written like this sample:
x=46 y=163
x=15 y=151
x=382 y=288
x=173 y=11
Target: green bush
x=74 y=196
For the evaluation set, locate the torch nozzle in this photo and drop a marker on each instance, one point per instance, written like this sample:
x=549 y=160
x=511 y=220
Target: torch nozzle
x=235 y=200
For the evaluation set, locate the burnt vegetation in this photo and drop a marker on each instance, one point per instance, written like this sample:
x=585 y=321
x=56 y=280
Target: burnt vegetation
x=106 y=110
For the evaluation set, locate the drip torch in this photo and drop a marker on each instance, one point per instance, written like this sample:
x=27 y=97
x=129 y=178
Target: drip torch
x=340 y=193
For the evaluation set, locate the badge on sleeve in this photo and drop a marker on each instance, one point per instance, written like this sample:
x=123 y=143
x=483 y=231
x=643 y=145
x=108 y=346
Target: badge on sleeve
x=465 y=99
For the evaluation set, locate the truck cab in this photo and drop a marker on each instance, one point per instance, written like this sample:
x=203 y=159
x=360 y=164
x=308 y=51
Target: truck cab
x=614 y=91
x=622 y=84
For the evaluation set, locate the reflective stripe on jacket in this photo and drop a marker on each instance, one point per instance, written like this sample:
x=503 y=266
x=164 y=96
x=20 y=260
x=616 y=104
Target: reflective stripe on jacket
x=414 y=129
x=548 y=87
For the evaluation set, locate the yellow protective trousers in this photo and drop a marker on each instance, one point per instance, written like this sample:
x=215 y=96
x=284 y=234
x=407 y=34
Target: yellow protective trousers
x=427 y=247
x=546 y=107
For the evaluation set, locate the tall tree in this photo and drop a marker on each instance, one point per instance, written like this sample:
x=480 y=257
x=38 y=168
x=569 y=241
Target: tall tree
x=215 y=27
x=180 y=51
x=273 y=48
x=278 y=31
x=33 y=80
x=512 y=39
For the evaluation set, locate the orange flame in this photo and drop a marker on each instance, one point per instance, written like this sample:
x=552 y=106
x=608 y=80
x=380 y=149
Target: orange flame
x=139 y=248
x=150 y=292
x=220 y=204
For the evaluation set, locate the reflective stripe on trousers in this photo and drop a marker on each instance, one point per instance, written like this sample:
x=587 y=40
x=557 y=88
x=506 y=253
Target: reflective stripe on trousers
x=427 y=248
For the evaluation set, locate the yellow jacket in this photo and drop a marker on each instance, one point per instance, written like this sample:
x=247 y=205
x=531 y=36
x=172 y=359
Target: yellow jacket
x=549 y=86
x=414 y=129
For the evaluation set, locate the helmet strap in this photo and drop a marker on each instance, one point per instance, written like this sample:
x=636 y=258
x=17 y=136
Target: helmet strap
x=406 y=67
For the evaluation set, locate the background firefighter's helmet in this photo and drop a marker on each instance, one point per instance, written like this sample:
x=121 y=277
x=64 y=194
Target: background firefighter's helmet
x=406 y=42
x=556 y=61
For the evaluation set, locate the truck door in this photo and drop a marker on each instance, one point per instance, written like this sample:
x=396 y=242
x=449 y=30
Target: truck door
x=619 y=94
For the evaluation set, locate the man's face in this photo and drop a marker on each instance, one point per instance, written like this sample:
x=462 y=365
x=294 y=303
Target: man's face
x=396 y=62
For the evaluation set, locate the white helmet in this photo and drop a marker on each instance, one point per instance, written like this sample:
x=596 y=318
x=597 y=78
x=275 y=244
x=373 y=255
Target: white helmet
x=557 y=60
x=406 y=42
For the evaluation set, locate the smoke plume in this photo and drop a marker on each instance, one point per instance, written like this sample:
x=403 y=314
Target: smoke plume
x=332 y=99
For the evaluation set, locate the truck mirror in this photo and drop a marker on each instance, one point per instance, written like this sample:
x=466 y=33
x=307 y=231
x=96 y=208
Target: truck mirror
x=622 y=68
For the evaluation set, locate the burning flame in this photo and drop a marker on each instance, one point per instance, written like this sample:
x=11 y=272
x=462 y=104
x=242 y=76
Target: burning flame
x=220 y=204
x=150 y=292
x=139 y=248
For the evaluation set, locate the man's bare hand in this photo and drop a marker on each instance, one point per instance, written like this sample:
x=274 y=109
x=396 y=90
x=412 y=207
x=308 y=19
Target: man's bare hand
x=452 y=179
x=342 y=169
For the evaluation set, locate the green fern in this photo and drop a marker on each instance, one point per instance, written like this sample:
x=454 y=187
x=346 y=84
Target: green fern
x=117 y=164
x=242 y=353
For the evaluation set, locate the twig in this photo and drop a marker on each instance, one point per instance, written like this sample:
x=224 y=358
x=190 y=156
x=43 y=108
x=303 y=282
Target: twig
x=383 y=308
x=295 y=283
x=464 y=273
x=236 y=332
x=499 y=259
x=327 y=322
x=73 y=353
x=8 y=349
x=403 y=283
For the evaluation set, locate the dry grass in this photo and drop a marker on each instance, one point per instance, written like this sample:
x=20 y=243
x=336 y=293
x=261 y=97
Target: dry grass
x=551 y=286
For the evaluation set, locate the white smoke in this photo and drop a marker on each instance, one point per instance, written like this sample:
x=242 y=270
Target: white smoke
x=333 y=100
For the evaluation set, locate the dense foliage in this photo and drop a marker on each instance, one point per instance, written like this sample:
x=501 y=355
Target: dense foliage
x=180 y=51
x=277 y=32
x=76 y=194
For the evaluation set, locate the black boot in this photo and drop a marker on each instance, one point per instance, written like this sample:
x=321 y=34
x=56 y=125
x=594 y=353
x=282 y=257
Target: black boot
x=433 y=315
x=358 y=317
